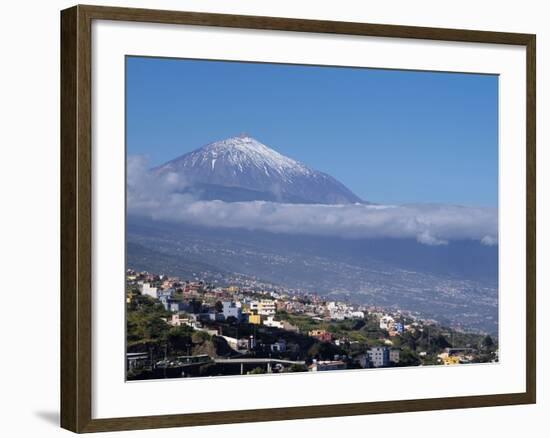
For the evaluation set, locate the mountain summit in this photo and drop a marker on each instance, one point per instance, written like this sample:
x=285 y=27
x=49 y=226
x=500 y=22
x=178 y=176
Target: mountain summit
x=243 y=169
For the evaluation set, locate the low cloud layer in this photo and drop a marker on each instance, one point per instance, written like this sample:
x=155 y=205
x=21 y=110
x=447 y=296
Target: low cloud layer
x=160 y=198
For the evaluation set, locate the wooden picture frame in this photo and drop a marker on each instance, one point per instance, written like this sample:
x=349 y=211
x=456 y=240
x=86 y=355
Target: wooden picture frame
x=76 y=218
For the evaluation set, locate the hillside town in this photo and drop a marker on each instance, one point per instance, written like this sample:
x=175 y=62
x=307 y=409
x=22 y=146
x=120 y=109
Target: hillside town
x=190 y=328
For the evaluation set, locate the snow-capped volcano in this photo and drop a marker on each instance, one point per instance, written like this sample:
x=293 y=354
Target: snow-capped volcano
x=242 y=169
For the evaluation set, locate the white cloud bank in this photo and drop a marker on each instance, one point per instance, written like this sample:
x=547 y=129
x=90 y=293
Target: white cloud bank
x=157 y=197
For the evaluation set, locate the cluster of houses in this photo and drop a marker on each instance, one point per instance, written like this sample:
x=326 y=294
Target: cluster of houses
x=196 y=304
x=340 y=311
x=240 y=345
x=244 y=305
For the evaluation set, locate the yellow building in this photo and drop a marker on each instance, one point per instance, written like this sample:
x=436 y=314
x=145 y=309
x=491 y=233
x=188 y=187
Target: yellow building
x=254 y=319
x=263 y=307
x=449 y=360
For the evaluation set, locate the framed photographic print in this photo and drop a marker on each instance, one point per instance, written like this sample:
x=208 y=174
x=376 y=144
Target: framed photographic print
x=270 y=218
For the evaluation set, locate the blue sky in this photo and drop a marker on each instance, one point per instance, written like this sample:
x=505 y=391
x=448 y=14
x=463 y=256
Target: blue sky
x=391 y=136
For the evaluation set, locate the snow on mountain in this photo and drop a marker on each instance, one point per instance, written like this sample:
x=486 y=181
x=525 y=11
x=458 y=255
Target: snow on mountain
x=241 y=169
x=245 y=152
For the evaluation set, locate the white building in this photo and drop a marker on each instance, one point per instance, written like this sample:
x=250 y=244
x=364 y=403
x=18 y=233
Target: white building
x=146 y=289
x=386 y=322
x=270 y=322
x=337 y=315
x=232 y=309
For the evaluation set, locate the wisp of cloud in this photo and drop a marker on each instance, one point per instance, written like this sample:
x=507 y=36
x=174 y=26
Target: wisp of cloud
x=160 y=197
